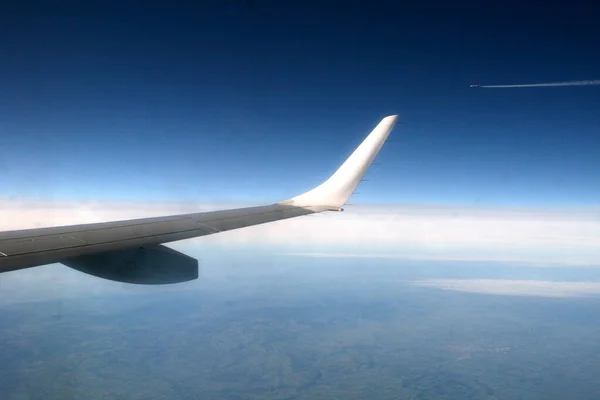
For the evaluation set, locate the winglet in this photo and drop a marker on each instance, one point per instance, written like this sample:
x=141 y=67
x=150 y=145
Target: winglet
x=335 y=191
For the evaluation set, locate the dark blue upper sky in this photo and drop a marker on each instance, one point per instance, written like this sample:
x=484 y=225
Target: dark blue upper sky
x=258 y=100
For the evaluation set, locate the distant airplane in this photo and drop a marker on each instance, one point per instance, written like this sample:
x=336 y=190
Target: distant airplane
x=131 y=251
x=473 y=86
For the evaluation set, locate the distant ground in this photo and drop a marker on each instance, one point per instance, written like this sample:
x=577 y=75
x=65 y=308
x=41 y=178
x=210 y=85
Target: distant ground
x=319 y=330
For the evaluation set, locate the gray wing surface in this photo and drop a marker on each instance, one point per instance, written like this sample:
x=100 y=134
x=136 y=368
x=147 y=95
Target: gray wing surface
x=131 y=251
x=31 y=247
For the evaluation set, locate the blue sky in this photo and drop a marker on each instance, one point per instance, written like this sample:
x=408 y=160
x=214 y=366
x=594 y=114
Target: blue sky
x=222 y=102
x=132 y=110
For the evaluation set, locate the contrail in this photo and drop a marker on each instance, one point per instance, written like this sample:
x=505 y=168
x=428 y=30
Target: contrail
x=572 y=83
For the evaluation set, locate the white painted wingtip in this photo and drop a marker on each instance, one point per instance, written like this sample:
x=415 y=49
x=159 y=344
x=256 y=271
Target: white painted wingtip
x=335 y=191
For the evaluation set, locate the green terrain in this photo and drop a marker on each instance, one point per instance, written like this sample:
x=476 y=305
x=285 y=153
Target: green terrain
x=263 y=338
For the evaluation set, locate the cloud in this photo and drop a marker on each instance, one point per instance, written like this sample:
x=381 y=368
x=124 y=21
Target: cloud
x=531 y=261
x=545 y=237
x=515 y=287
x=553 y=236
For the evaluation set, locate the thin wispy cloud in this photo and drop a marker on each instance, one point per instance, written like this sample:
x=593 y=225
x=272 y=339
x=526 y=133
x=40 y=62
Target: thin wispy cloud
x=515 y=287
x=455 y=256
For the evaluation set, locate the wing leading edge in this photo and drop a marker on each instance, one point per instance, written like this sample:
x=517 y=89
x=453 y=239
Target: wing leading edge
x=130 y=251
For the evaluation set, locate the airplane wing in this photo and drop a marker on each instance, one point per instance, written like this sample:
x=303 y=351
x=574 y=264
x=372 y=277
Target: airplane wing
x=131 y=251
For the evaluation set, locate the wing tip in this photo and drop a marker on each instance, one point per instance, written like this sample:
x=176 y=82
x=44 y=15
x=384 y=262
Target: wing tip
x=334 y=192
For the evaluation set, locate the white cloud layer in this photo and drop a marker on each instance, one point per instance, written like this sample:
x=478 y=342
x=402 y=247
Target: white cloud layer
x=516 y=287
x=419 y=232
